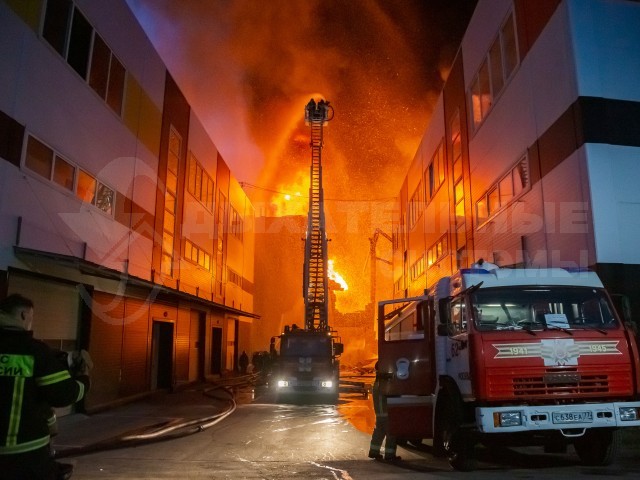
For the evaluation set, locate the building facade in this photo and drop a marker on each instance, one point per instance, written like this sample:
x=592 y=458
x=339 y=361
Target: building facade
x=118 y=216
x=533 y=150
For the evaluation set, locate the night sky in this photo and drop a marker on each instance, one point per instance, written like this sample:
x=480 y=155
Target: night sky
x=248 y=68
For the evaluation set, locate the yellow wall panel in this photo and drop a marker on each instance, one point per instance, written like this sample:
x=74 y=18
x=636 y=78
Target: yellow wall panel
x=142 y=116
x=28 y=10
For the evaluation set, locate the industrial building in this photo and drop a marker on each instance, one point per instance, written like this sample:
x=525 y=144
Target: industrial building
x=532 y=154
x=118 y=216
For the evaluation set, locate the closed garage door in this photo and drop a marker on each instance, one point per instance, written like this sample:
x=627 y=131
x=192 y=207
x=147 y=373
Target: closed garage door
x=57 y=308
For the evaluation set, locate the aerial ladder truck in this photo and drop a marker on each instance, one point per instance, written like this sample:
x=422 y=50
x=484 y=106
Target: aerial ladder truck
x=307 y=361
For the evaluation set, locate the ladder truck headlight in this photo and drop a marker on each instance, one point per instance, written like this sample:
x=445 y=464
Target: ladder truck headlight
x=327 y=384
x=283 y=383
x=507 y=419
x=628 y=414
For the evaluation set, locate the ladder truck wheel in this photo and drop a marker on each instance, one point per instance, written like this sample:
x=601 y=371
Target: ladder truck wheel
x=598 y=446
x=458 y=443
x=438 y=441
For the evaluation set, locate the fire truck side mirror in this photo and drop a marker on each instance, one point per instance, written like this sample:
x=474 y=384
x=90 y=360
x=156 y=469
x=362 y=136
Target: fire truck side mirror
x=443 y=309
x=623 y=307
x=443 y=329
x=338 y=348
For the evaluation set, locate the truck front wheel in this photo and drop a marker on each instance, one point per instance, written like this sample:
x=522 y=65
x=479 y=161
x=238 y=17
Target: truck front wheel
x=598 y=446
x=458 y=443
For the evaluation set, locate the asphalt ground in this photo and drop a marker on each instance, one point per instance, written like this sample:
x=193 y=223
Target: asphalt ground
x=157 y=417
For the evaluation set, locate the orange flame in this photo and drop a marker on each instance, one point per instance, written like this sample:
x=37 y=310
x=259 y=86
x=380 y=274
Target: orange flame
x=335 y=276
x=288 y=199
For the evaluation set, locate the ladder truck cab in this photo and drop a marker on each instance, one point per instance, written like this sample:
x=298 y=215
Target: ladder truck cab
x=510 y=357
x=307 y=363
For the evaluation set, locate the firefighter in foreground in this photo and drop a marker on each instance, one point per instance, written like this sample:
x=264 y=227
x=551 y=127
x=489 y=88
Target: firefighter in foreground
x=380 y=430
x=32 y=380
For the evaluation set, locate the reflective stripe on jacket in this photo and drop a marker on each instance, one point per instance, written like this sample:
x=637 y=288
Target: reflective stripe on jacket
x=32 y=380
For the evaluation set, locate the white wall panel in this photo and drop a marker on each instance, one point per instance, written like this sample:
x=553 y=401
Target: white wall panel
x=613 y=176
x=606 y=37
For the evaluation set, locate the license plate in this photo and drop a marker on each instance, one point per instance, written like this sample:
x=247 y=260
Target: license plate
x=572 y=417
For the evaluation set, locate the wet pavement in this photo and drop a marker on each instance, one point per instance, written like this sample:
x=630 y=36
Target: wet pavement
x=263 y=439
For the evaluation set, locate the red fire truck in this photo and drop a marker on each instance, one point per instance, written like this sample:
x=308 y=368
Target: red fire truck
x=510 y=357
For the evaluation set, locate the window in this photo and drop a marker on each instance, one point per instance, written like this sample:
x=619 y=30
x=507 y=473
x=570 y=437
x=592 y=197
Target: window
x=459 y=203
x=221 y=223
x=236 y=226
x=538 y=308
x=63 y=173
x=506 y=189
x=482 y=210
x=56 y=22
x=405 y=321
x=86 y=189
x=200 y=184
x=509 y=46
x=437 y=251
x=42 y=160
x=79 y=44
x=115 y=91
x=398 y=285
x=90 y=190
x=493 y=201
x=417 y=269
x=39 y=158
x=434 y=175
x=495 y=59
x=100 y=61
x=504 y=192
x=197 y=255
x=170 y=201
x=234 y=277
x=104 y=198
x=68 y=31
x=457 y=317
x=481 y=94
x=494 y=72
x=416 y=205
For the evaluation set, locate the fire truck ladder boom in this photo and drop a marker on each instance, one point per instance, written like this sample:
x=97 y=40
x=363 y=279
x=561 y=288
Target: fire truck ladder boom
x=315 y=282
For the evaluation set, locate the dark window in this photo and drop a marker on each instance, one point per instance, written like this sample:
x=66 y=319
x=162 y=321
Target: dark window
x=99 y=75
x=115 y=93
x=11 y=138
x=63 y=173
x=39 y=158
x=79 y=44
x=56 y=21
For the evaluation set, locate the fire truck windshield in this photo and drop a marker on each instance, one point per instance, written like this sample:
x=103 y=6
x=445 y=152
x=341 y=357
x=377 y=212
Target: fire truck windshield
x=541 y=308
x=306 y=346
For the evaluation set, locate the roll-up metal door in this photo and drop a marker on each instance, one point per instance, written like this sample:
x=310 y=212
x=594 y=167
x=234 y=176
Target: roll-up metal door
x=56 y=308
x=105 y=347
x=135 y=348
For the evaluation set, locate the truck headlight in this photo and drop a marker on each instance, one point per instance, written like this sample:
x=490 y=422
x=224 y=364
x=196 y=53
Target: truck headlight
x=327 y=384
x=628 y=414
x=507 y=419
x=283 y=383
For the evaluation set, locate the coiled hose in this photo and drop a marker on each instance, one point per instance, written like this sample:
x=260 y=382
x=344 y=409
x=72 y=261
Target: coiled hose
x=171 y=429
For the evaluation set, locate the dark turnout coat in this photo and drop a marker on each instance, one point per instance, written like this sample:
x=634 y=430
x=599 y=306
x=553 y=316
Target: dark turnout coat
x=32 y=380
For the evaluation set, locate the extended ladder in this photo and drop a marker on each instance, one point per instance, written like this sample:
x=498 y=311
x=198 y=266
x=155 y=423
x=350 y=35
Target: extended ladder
x=316 y=283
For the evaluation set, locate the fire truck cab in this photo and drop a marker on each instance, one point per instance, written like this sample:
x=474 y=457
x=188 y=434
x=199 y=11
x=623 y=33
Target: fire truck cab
x=307 y=365
x=510 y=357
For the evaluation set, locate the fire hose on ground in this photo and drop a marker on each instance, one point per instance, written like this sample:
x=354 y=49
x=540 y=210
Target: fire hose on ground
x=171 y=429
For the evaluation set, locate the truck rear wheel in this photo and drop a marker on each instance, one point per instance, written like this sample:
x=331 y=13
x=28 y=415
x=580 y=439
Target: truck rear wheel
x=598 y=446
x=458 y=444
